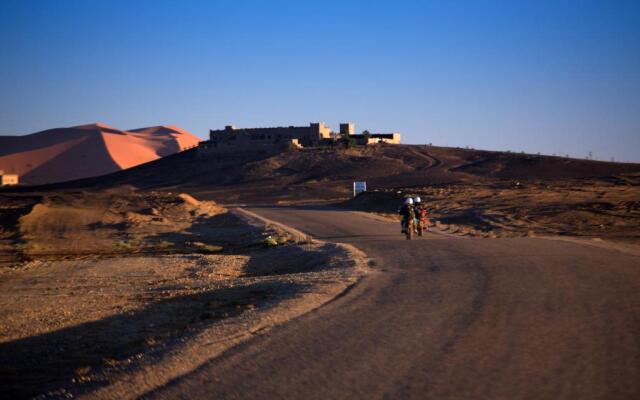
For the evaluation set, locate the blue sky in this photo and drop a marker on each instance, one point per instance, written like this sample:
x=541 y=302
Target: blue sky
x=549 y=76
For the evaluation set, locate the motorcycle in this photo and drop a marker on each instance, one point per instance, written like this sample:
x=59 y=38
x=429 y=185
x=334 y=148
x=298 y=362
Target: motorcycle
x=409 y=228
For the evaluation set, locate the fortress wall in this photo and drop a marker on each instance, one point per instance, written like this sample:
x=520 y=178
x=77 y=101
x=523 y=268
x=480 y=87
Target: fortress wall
x=306 y=135
x=244 y=145
x=391 y=138
x=316 y=133
x=347 y=128
x=395 y=139
x=291 y=132
x=8 y=179
x=320 y=131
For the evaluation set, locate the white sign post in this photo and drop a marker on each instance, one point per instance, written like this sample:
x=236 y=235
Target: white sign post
x=359 y=187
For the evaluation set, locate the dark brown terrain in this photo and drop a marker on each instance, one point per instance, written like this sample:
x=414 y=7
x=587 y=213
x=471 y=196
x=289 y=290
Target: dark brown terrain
x=485 y=193
x=489 y=304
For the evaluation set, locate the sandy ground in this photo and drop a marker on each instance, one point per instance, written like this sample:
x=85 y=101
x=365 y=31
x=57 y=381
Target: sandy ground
x=64 y=154
x=593 y=208
x=121 y=308
x=110 y=294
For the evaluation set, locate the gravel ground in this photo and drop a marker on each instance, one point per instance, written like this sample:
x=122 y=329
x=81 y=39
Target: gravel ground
x=119 y=324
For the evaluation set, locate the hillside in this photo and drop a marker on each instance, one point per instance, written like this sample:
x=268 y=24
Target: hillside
x=320 y=174
x=486 y=193
x=64 y=154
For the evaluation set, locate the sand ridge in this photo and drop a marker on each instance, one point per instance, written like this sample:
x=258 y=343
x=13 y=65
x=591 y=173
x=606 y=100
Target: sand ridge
x=62 y=154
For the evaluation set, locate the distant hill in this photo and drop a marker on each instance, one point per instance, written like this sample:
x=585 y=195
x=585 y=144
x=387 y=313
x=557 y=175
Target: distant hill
x=324 y=173
x=64 y=154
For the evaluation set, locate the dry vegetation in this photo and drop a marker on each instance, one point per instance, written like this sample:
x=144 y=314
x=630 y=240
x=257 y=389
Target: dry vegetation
x=607 y=208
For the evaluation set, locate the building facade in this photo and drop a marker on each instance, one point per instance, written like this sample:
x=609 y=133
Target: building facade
x=375 y=138
x=8 y=179
x=304 y=135
x=347 y=128
x=316 y=134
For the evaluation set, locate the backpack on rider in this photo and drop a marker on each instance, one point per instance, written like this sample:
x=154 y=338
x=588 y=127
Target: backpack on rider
x=407 y=212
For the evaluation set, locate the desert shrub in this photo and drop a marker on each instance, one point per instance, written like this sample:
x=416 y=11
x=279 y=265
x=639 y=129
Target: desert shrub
x=163 y=244
x=206 y=248
x=211 y=248
x=270 y=241
x=127 y=244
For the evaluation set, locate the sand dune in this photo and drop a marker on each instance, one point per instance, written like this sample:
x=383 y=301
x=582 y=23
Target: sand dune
x=62 y=154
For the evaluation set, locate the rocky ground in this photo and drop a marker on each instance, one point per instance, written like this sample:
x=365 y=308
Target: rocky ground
x=604 y=208
x=327 y=174
x=104 y=292
x=104 y=288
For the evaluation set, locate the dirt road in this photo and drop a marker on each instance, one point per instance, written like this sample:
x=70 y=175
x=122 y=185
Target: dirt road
x=446 y=317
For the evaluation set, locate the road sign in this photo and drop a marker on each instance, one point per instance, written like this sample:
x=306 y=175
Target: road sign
x=359 y=187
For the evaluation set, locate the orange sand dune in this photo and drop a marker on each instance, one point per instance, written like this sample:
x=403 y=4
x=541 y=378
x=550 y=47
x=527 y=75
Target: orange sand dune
x=63 y=154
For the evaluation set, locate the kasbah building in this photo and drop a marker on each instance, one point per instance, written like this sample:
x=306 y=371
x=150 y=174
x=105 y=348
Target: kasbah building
x=8 y=179
x=316 y=134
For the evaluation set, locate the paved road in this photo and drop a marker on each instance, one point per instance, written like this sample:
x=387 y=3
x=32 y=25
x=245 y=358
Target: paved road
x=446 y=318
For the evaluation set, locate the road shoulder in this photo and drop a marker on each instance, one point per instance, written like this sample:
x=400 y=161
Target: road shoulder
x=340 y=266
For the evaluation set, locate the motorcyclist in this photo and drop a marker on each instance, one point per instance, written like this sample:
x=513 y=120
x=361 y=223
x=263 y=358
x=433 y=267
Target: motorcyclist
x=418 y=207
x=407 y=212
x=420 y=212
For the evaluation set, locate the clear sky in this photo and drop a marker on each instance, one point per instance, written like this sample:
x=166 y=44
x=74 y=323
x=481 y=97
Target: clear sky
x=549 y=76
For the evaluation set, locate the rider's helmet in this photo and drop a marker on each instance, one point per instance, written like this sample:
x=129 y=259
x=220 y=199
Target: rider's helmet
x=408 y=200
x=416 y=199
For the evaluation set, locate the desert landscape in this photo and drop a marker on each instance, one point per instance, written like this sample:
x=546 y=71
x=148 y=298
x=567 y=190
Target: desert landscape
x=64 y=154
x=143 y=274
x=482 y=192
x=603 y=208
x=319 y=200
x=121 y=283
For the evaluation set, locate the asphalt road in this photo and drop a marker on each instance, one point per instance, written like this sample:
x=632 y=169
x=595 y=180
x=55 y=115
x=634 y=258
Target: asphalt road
x=445 y=318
